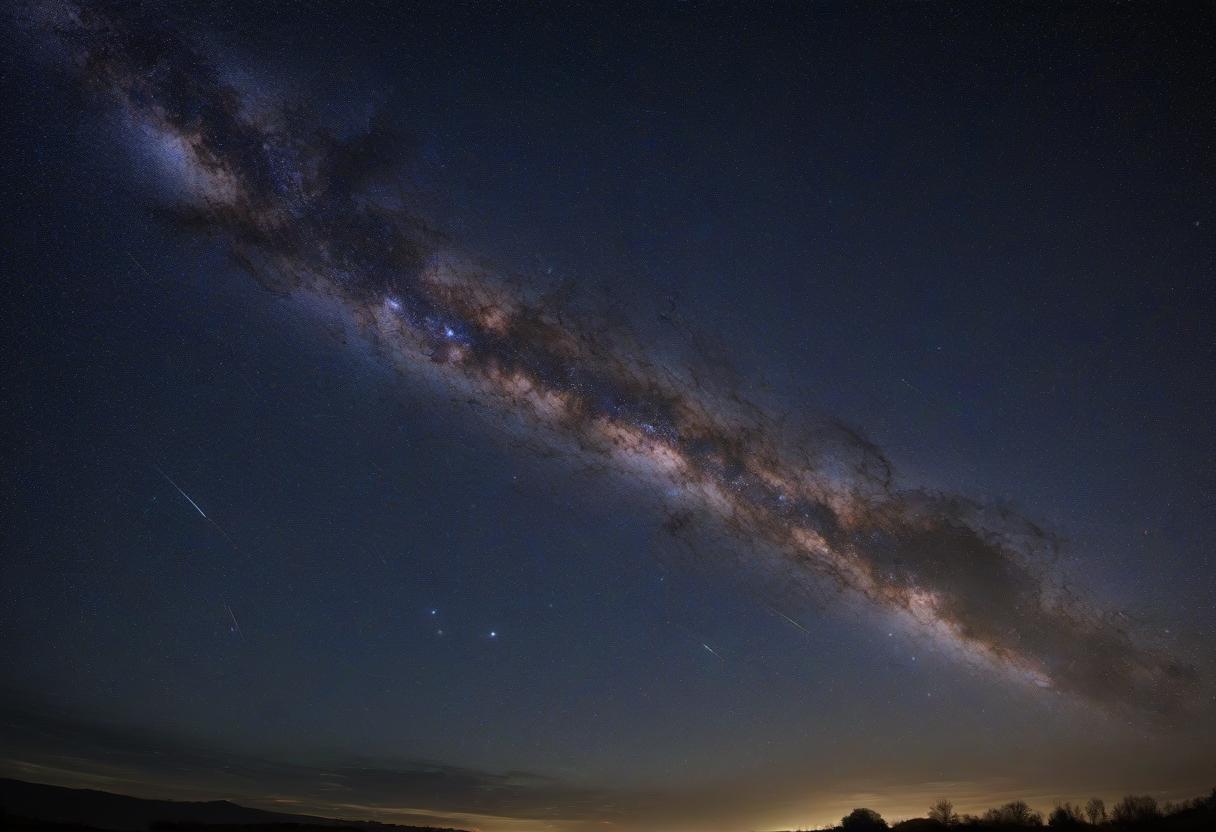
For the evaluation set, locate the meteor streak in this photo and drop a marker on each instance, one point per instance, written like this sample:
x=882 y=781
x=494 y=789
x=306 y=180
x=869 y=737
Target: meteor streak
x=291 y=203
x=236 y=627
x=786 y=618
x=197 y=508
x=189 y=499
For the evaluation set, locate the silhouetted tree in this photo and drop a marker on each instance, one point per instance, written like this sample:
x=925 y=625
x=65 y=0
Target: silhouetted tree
x=1017 y=813
x=1198 y=815
x=917 y=825
x=863 y=820
x=1065 y=816
x=1095 y=810
x=1135 y=809
x=943 y=812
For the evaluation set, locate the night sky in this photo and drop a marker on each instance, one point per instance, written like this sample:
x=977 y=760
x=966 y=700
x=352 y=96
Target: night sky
x=678 y=416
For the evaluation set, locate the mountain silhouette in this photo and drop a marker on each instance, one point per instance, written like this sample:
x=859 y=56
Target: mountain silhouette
x=104 y=810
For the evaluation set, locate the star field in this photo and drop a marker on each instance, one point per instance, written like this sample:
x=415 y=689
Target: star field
x=292 y=516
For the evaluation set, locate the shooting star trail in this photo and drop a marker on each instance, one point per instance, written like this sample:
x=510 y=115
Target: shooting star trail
x=196 y=506
x=236 y=626
x=189 y=499
x=782 y=615
x=139 y=266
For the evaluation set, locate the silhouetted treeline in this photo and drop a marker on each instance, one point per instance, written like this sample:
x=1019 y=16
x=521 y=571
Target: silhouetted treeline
x=1134 y=813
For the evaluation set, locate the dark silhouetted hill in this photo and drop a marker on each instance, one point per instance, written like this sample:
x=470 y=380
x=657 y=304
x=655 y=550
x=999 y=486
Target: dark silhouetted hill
x=35 y=807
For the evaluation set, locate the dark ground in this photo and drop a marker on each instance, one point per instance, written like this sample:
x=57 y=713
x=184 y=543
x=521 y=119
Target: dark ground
x=39 y=806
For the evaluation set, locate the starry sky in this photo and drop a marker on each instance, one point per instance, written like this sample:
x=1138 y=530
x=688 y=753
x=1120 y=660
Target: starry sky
x=676 y=416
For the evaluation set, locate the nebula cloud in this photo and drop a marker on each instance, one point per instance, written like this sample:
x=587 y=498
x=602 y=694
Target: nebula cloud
x=291 y=202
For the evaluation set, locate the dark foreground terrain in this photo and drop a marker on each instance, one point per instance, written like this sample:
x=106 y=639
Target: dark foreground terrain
x=1134 y=813
x=34 y=806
